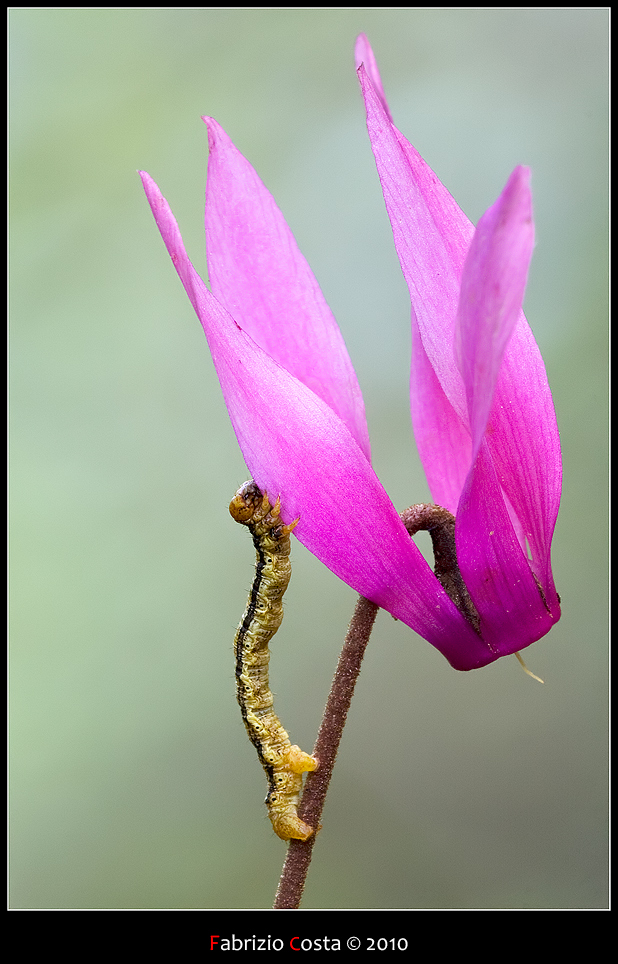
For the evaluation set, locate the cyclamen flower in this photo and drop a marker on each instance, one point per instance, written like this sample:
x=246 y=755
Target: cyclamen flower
x=481 y=407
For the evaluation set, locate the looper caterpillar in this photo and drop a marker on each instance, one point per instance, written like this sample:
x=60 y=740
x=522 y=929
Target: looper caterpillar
x=284 y=763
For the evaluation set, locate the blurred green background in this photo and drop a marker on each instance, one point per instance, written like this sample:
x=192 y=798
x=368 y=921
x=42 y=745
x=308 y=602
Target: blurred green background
x=133 y=784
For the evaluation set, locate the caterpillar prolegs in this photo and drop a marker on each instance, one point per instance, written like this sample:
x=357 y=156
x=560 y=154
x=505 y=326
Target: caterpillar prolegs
x=284 y=763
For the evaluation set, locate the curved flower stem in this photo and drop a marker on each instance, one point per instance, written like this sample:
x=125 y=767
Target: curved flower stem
x=298 y=857
x=441 y=526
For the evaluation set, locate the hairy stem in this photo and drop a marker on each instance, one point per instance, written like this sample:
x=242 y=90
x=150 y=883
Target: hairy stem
x=441 y=526
x=298 y=857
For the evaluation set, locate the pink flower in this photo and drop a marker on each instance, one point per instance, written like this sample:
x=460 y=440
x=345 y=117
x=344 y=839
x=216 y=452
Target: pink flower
x=481 y=406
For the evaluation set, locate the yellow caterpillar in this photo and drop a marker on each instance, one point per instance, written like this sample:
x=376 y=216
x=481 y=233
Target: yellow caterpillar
x=284 y=763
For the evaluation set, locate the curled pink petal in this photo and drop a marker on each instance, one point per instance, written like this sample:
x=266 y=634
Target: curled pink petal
x=491 y=294
x=513 y=607
x=481 y=407
x=443 y=440
x=431 y=237
x=257 y=271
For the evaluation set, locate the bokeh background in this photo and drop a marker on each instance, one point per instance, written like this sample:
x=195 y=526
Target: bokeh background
x=133 y=784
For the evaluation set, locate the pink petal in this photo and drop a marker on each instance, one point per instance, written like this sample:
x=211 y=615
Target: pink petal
x=432 y=237
x=258 y=273
x=497 y=368
x=443 y=440
x=363 y=55
x=491 y=295
x=514 y=611
x=522 y=438
x=295 y=446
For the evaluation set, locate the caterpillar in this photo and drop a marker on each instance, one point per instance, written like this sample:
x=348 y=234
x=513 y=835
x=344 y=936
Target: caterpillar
x=283 y=762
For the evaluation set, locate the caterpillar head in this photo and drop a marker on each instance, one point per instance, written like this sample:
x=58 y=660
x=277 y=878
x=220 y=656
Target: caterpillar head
x=250 y=505
x=249 y=502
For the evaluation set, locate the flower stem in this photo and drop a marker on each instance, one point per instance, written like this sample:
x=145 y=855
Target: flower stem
x=298 y=857
x=441 y=526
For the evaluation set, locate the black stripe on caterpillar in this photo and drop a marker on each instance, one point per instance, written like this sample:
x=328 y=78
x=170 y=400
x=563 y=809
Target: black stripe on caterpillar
x=283 y=762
